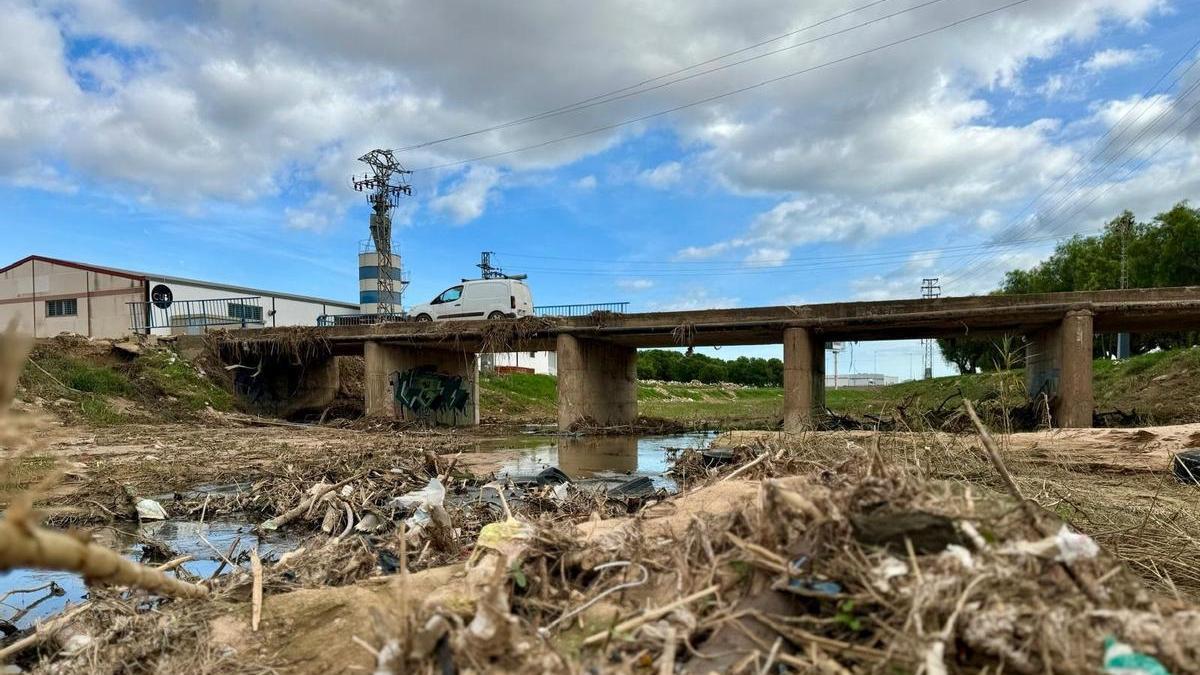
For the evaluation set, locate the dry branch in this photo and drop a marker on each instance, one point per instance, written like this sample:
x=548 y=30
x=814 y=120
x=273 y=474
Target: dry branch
x=26 y=545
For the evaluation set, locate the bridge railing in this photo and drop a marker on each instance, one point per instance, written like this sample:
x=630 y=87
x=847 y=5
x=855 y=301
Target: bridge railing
x=194 y=316
x=581 y=310
x=358 y=319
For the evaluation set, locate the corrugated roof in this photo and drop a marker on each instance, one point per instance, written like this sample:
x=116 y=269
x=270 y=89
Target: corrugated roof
x=130 y=274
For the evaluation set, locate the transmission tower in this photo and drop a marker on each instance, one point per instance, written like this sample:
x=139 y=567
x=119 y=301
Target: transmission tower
x=485 y=265
x=929 y=290
x=383 y=186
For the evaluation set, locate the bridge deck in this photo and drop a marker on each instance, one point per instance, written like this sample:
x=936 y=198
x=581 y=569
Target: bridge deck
x=1115 y=310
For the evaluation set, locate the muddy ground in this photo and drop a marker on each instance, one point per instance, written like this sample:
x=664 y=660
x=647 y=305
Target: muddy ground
x=827 y=552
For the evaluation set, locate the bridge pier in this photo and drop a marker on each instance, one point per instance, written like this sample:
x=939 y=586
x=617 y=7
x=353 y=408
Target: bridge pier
x=597 y=383
x=803 y=379
x=1058 y=362
x=440 y=386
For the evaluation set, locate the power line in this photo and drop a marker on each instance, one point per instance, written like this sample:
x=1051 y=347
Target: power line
x=1103 y=189
x=570 y=107
x=716 y=97
x=1015 y=228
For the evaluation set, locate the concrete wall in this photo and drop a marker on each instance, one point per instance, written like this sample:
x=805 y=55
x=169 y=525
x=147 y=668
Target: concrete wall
x=101 y=309
x=437 y=386
x=597 y=383
x=1058 y=363
x=803 y=379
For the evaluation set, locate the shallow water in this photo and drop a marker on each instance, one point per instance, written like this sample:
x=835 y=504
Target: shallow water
x=184 y=538
x=601 y=456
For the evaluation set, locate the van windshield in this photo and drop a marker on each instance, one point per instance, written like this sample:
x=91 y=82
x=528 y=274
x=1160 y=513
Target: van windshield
x=449 y=295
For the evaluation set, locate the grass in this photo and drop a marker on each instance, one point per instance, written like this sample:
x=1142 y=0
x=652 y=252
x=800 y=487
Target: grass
x=104 y=389
x=1164 y=386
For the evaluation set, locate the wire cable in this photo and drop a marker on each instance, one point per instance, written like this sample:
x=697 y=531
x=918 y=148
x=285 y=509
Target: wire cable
x=726 y=94
x=573 y=106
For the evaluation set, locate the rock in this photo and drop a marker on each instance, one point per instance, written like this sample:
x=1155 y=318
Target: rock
x=128 y=346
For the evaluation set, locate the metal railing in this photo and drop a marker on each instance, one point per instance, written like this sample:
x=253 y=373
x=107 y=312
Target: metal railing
x=195 y=316
x=581 y=310
x=358 y=319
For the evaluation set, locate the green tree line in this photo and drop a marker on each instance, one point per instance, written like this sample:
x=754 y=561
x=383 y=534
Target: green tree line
x=1162 y=252
x=672 y=366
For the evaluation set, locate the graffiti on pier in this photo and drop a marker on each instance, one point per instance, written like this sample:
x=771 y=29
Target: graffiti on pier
x=424 y=393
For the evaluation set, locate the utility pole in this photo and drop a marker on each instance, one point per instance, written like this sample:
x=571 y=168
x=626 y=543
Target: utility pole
x=929 y=290
x=383 y=187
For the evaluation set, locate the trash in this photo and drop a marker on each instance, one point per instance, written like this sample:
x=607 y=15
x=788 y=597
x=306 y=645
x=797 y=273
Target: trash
x=551 y=475
x=814 y=587
x=889 y=568
x=1186 y=466
x=148 y=509
x=1121 y=659
x=559 y=492
x=713 y=458
x=1065 y=546
x=433 y=493
x=641 y=486
x=369 y=523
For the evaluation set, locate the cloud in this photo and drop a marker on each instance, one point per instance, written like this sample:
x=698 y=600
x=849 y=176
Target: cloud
x=768 y=257
x=635 y=284
x=239 y=102
x=317 y=215
x=1108 y=59
x=467 y=199
x=696 y=297
x=588 y=182
x=661 y=177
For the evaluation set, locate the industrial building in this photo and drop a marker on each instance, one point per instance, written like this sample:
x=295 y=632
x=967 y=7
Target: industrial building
x=48 y=296
x=859 y=380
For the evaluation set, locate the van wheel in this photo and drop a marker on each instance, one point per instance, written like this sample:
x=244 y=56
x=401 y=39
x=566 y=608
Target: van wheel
x=497 y=315
x=424 y=317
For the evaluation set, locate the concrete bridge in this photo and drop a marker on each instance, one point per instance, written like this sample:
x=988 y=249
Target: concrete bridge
x=432 y=368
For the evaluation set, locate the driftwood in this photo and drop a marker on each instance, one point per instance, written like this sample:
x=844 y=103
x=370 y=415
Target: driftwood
x=256 y=592
x=304 y=505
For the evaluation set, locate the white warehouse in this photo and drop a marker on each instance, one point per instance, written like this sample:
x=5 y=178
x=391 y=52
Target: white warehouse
x=48 y=296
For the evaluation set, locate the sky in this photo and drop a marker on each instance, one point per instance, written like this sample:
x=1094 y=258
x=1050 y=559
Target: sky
x=673 y=154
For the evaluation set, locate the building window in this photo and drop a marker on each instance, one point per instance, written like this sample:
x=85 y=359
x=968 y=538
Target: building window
x=62 y=307
x=244 y=312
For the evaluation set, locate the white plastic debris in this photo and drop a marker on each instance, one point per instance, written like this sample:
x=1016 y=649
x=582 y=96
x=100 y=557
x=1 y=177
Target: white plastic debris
x=433 y=493
x=148 y=509
x=1065 y=546
x=1074 y=546
x=429 y=501
x=889 y=568
x=559 y=492
x=961 y=554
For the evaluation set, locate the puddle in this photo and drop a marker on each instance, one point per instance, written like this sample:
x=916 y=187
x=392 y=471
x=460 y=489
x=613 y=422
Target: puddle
x=600 y=456
x=184 y=537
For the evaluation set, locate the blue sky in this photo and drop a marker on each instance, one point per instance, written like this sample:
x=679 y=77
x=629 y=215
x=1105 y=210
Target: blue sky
x=216 y=140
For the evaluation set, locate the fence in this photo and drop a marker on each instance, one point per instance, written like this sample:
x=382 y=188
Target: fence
x=581 y=310
x=195 y=316
x=358 y=319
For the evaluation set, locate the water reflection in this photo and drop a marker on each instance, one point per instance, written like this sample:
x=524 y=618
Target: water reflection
x=583 y=457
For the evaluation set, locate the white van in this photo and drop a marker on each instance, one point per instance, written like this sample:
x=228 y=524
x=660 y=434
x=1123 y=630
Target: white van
x=478 y=299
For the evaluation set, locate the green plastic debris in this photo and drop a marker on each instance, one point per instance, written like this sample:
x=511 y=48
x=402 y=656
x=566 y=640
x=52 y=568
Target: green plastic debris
x=1120 y=659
